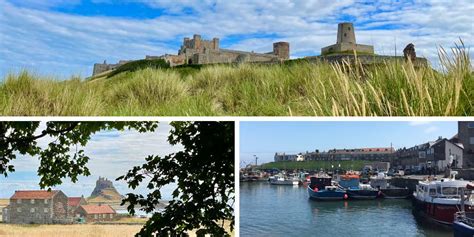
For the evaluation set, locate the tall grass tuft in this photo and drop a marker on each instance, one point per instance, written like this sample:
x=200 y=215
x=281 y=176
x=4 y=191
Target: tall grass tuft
x=301 y=88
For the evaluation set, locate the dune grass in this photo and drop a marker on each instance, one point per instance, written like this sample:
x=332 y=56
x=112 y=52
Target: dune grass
x=293 y=89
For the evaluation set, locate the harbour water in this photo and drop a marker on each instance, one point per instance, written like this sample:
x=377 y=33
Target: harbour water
x=270 y=210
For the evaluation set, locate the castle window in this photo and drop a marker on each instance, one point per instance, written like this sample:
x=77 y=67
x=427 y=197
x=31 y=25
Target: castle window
x=349 y=29
x=345 y=34
x=32 y=201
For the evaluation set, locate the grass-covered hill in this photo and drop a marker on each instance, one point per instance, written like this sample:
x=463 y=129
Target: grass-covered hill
x=299 y=88
x=316 y=165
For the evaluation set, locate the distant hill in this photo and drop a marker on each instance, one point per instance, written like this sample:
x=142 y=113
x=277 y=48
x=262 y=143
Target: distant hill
x=104 y=191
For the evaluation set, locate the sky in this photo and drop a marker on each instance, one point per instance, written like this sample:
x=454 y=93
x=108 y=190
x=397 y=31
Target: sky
x=60 y=38
x=263 y=139
x=112 y=154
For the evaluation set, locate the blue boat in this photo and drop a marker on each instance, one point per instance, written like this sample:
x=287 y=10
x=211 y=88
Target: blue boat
x=356 y=190
x=463 y=224
x=321 y=189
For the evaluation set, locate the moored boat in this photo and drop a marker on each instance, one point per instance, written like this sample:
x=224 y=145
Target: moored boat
x=381 y=182
x=322 y=189
x=440 y=200
x=463 y=224
x=284 y=181
x=356 y=190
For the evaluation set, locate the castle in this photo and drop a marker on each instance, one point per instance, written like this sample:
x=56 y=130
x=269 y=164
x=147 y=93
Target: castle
x=199 y=51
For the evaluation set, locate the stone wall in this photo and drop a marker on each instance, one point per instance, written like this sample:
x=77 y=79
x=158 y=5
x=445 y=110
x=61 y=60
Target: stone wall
x=39 y=211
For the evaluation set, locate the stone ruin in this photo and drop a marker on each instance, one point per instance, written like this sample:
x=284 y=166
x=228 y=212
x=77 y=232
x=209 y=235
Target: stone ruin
x=197 y=51
x=346 y=42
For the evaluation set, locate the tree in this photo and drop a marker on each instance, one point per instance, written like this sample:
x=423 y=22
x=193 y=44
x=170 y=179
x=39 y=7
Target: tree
x=204 y=172
x=206 y=162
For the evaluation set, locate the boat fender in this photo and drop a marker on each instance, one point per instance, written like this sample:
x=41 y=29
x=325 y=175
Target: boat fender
x=315 y=189
x=345 y=196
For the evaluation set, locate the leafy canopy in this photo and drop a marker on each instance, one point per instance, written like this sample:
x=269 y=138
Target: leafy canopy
x=203 y=171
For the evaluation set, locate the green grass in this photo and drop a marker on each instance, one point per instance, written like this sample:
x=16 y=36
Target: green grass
x=316 y=165
x=298 y=88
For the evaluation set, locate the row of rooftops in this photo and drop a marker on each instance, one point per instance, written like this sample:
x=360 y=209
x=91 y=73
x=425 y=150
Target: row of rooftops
x=72 y=201
x=370 y=150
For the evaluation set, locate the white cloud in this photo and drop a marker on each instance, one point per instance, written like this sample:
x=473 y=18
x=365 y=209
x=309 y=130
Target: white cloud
x=57 y=43
x=419 y=123
x=431 y=129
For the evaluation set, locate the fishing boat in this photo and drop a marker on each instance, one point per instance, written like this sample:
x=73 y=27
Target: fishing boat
x=282 y=180
x=323 y=189
x=356 y=190
x=380 y=182
x=463 y=224
x=439 y=200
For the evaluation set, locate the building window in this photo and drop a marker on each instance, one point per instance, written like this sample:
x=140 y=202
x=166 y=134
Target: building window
x=18 y=209
x=45 y=201
x=32 y=201
x=32 y=210
x=471 y=140
x=95 y=216
x=470 y=125
x=111 y=216
x=18 y=201
x=46 y=210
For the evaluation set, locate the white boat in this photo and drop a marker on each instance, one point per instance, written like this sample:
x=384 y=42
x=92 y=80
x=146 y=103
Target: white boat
x=284 y=181
x=441 y=199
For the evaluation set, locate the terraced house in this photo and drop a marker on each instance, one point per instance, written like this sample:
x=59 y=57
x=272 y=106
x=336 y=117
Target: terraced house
x=37 y=207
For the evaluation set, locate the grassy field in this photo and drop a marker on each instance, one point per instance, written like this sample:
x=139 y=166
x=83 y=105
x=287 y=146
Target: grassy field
x=292 y=89
x=8 y=230
x=316 y=165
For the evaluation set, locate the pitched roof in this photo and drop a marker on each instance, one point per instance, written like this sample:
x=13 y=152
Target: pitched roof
x=34 y=194
x=73 y=201
x=98 y=209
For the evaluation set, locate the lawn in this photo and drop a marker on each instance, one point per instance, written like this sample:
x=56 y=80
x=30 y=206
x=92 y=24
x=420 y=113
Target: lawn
x=300 y=88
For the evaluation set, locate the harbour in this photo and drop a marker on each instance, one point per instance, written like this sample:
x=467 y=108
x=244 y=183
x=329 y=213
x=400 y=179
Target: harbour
x=280 y=210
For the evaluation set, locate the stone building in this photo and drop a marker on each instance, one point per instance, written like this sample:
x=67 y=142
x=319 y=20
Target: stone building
x=374 y=153
x=199 y=51
x=435 y=154
x=465 y=136
x=346 y=41
x=96 y=213
x=74 y=203
x=37 y=207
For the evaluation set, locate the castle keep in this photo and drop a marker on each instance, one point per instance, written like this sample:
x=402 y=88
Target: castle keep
x=346 y=42
x=199 y=51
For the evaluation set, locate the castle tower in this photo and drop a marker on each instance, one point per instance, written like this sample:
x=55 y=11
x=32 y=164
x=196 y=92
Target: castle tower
x=282 y=50
x=197 y=41
x=346 y=33
x=215 y=42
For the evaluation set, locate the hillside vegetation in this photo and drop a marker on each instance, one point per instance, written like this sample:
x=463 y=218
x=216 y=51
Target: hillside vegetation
x=298 y=88
x=316 y=165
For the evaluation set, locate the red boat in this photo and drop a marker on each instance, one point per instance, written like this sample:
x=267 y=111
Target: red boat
x=441 y=199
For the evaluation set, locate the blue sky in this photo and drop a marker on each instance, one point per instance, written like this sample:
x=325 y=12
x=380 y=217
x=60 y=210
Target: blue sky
x=64 y=37
x=112 y=154
x=263 y=139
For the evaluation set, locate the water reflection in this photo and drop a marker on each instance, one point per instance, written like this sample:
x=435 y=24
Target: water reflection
x=269 y=210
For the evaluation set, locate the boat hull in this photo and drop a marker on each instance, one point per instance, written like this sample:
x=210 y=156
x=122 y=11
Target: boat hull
x=441 y=213
x=461 y=229
x=362 y=194
x=326 y=195
x=285 y=182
